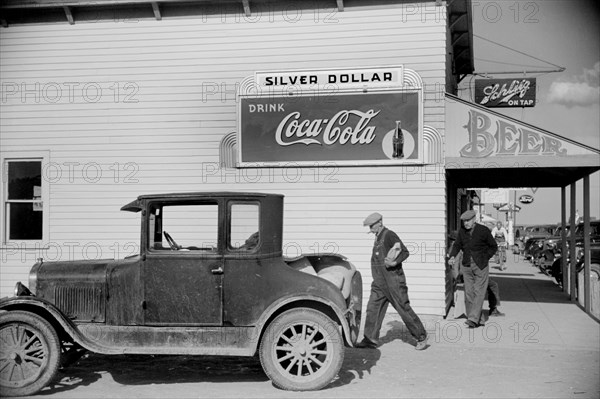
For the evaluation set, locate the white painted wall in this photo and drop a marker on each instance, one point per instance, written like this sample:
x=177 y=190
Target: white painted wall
x=128 y=108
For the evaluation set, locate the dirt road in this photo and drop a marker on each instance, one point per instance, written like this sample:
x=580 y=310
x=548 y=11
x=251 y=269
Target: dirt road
x=545 y=347
x=449 y=368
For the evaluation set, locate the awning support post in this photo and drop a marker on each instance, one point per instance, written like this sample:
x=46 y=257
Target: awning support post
x=572 y=248
x=563 y=249
x=586 y=244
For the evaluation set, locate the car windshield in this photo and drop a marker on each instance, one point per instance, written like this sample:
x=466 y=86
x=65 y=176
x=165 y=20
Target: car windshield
x=594 y=229
x=537 y=230
x=558 y=231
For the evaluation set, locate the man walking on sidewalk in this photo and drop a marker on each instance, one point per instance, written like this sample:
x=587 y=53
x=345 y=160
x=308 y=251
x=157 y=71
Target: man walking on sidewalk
x=388 y=286
x=500 y=235
x=478 y=247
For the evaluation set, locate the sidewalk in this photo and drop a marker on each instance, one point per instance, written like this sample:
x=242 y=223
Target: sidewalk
x=537 y=311
x=545 y=347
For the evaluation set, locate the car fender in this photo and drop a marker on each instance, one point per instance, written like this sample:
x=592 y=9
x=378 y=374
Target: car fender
x=54 y=316
x=295 y=300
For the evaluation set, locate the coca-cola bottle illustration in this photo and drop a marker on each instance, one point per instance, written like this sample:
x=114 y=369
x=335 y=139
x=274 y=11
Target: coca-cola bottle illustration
x=398 y=141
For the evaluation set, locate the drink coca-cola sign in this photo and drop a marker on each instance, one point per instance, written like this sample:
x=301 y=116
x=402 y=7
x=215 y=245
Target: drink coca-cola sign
x=382 y=127
x=496 y=93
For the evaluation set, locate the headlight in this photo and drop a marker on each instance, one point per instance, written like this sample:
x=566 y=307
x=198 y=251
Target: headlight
x=578 y=253
x=33 y=273
x=21 y=290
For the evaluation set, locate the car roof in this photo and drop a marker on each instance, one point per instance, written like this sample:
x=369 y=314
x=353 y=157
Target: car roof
x=205 y=194
x=135 y=205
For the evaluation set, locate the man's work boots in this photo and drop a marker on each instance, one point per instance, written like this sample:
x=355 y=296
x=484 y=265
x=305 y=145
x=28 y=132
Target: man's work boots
x=366 y=343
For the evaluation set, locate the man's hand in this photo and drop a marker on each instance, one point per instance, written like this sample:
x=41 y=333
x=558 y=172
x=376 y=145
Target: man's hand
x=451 y=261
x=390 y=263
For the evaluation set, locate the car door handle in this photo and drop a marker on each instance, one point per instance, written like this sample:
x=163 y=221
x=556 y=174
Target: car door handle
x=218 y=270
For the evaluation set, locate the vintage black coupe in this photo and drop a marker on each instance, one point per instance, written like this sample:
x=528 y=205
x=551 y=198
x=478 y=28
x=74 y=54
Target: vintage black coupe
x=210 y=279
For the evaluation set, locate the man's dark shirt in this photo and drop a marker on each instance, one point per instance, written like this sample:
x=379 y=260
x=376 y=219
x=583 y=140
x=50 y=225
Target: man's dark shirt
x=384 y=241
x=476 y=243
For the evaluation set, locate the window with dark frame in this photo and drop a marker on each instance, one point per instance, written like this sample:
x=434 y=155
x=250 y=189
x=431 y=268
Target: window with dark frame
x=23 y=205
x=244 y=228
x=184 y=227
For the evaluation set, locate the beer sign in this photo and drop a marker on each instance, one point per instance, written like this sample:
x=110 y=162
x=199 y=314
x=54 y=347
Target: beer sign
x=497 y=93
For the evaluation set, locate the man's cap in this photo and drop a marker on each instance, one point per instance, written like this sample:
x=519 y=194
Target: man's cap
x=468 y=215
x=372 y=219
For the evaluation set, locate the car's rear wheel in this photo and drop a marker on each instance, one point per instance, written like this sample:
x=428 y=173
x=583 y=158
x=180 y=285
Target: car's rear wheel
x=302 y=350
x=29 y=353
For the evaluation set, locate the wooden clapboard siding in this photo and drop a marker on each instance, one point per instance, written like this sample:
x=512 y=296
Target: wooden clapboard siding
x=167 y=99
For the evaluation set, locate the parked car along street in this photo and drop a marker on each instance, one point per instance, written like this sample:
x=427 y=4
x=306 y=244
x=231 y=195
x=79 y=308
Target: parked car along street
x=535 y=232
x=210 y=279
x=550 y=250
x=556 y=269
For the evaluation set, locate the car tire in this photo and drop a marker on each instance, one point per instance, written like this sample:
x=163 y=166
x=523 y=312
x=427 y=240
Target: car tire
x=29 y=354
x=302 y=350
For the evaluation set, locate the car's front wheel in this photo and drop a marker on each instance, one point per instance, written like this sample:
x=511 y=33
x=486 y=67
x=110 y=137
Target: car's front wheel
x=29 y=353
x=302 y=350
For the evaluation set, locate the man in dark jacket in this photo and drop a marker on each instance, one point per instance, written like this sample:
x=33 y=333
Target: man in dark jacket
x=388 y=286
x=478 y=247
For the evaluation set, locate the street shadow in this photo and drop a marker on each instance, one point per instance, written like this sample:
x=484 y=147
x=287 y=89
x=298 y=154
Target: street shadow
x=156 y=369
x=358 y=363
x=396 y=330
x=171 y=369
x=515 y=289
x=66 y=380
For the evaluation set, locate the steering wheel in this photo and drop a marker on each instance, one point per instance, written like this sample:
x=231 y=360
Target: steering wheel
x=174 y=246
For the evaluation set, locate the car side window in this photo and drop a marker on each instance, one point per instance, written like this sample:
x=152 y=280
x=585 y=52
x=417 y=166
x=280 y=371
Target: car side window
x=243 y=230
x=184 y=227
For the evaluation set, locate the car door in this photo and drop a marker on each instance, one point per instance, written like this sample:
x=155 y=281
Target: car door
x=183 y=267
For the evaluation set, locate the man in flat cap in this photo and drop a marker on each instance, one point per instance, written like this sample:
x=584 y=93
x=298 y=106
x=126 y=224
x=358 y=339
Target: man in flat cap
x=478 y=246
x=388 y=286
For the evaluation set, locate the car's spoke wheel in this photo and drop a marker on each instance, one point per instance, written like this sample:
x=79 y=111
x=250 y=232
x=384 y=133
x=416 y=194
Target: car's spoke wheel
x=29 y=353
x=302 y=350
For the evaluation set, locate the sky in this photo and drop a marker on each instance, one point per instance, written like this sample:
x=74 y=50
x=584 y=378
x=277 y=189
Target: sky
x=543 y=35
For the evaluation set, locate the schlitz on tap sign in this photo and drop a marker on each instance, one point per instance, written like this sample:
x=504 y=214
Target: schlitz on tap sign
x=344 y=128
x=496 y=93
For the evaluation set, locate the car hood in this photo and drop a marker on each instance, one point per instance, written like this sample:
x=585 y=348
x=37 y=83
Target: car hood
x=76 y=288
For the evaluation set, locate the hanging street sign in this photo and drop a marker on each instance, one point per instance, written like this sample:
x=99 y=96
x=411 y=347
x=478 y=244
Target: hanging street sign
x=509 y=208
x=525 y=199
x=503 y=93
x=494 y=196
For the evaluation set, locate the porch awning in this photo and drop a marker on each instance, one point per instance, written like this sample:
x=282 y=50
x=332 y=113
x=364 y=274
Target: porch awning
x=486 y=147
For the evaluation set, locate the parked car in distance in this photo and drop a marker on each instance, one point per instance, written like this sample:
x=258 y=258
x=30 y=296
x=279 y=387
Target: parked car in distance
x=556 y=269
x=550 y=250
x=580 y=282
x=535 y=232
x=210 y=279
x=536 y=246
